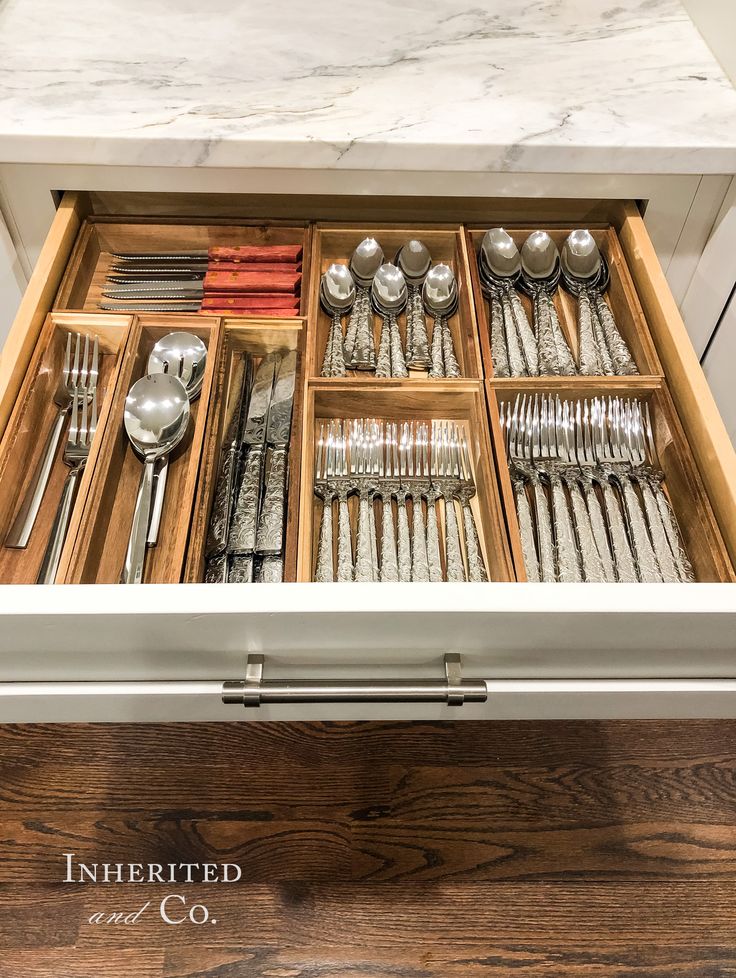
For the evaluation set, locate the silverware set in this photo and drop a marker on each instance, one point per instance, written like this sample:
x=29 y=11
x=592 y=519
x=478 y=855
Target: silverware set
x=76 y=400
x=589 y=491
x=409 y=482
x=245 y=540
x=522 y=349
x=372 y=285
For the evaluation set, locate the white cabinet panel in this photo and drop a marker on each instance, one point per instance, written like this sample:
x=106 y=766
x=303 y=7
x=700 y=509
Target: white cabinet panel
x=720 y=368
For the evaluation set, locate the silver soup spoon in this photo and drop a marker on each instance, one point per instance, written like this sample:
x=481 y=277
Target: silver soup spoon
x=360 y=349
x=513 y=343
x=414 y=260
x=540 y=275
x=389 y=293
x=440 y=300
x=337 y=293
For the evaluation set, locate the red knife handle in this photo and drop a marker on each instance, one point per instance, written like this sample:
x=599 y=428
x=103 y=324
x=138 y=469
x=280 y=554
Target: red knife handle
x=227 y=311
x=250 y=282
x=254 y=300
x=285 y=268
x=257 y=253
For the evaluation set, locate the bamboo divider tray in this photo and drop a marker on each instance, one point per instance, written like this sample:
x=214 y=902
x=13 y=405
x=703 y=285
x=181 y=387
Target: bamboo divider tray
x=31 y=423
x=621 y=296
x=90 y=261
x=258 y=339
x=336 y=243
x=682 y=481
x=459 y=400
x=105 y=526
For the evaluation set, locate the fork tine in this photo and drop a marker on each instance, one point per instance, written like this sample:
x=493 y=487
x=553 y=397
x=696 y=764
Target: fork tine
x=318 y=471
x=82 y=395
x=75 y=368
x=73 y=419
x=85 y=365
x=649 y=431
x=67 y=368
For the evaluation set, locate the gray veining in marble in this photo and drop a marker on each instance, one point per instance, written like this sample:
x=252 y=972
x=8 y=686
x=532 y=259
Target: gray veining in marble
x=539 y=85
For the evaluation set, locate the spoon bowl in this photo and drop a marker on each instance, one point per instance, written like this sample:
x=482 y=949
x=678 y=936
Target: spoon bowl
x=540 y=261
x=500 y=258
x=181 y=355
x=439 y=291
x=414 y=260
x=156 y=415
x=365 y=261
x=337 y=289
x=582 y=264
x=389 y=290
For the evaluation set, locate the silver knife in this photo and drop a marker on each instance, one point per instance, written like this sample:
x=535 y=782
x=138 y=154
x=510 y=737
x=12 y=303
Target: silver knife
x=242 y=536
x=142 y=257
x=222 y=506
x=161 y=290
x=270 y=536
x=164 y=275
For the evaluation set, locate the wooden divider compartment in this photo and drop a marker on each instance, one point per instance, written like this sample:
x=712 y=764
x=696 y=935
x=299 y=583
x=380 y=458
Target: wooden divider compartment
x=31 y=423
x=105 y=527
x=621 y=296
x=336 y=243
x=460 y=400
x=682 y=481
x=258 y=339
x=89 y=265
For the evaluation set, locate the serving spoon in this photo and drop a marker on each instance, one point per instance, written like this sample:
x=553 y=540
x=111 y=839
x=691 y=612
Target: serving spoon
x=156 y=418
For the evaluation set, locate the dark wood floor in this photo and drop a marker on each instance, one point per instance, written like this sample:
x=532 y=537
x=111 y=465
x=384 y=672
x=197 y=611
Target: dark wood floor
x=418 y=850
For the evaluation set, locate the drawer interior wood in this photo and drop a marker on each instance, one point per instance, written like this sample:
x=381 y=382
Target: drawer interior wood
x=621 y=296
x=256 y=339
x=457 y=400
x=682 y=482
x=106 y=522
x=89 y=266
x=31 y=424
x=336 y=244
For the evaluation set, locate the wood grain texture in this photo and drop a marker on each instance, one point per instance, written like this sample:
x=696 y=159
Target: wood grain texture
x=382 y=849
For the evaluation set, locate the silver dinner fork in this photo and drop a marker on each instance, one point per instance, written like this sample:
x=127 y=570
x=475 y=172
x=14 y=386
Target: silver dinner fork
x=510 y=428
x=82 y=428
x=361 y=478
x=465 y=492
x=416 y=483
x=588 y=465
x=324 y=488
x=545 y=454
x=74 y=377
x=445 y=473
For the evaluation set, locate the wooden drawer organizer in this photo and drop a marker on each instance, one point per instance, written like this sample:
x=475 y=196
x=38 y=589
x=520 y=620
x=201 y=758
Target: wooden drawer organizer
x=699 y=463
x=335 y=243
x=621 y=296
x=89 y=265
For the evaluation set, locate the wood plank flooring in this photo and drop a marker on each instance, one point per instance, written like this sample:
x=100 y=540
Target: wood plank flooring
x=385 y=849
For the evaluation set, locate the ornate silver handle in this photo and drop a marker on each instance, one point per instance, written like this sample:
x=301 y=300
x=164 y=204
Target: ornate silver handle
x=402 y=533
x=548 y=359
x=684 y=567
x=240 y=569
x=333 y=364
x=50 y=564
x=434 y=557
x=517 y=363
x=567 y=553
x=526 y=531
x=452 y=367
x=351 y=332
x=136 y=553
x=389 y=560
x=20 y=530
x=622 y=555
x=364 y=349
x=590 y=364
x=649 y=572
x=438 y=358
x=242 y=537
x=476 y=566
x=270 y=535
x=604 y=355
x=271 y=570
x=417 y=341
x=383 y=364
x=398 y=362
x=526 y=334
x=363 y=548
x=419 y=561
x=661 y=545
x=600 y=535
x=592 y=565
x=623 y=362
x=454 y=691
x=219 y=525
x=215 y=569
x=453 y=549
x=564 y=356
x=499 y=354
x=325 y=571
x=344 y=541
x=544 y=533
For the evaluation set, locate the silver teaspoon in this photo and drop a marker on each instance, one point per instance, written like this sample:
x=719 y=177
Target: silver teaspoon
x=389 y=293
x=414 y=260
x=337 y=294
x=540 y=275
x=439 y=293
x=360 y=349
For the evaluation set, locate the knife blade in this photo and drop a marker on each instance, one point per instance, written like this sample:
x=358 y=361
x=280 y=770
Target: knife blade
x=222 y=506
x=270 y=535
x=236 y=253
x=163 y=306
x=243 y=527
x=163 y=290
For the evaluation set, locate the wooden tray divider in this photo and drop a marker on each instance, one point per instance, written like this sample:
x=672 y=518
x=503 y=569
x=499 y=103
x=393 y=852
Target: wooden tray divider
x=460 y=400
x=257 y=338
x=683 y=483
x=621 y=296
x=105 y=526
x=31 y=421
x=89 y=265
x=336 y=243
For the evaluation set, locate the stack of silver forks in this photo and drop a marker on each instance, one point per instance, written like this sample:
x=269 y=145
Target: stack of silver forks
x=589 y=491
x=413 y=472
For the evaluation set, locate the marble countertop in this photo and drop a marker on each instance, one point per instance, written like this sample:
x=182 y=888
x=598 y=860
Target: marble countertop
x=590 y=86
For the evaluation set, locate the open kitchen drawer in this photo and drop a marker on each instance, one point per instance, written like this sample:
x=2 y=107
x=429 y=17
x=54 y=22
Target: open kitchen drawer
x=163 y=652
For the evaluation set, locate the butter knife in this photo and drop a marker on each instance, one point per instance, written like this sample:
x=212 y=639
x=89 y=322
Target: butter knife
x=270 y=536
x=244 y=524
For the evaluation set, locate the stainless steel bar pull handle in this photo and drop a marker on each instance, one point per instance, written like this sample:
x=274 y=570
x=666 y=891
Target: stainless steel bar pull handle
x=453 y=691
